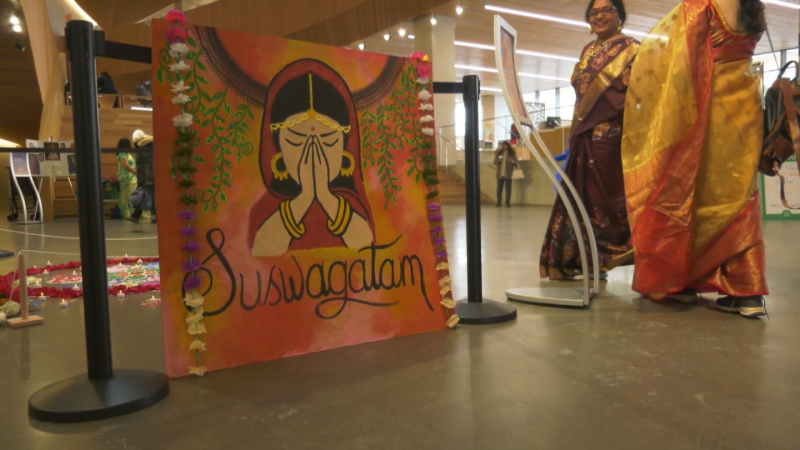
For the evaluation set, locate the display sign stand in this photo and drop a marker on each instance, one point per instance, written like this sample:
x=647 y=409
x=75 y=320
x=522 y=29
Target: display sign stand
x=103 y=392
x=558 y=294
x=21 y=169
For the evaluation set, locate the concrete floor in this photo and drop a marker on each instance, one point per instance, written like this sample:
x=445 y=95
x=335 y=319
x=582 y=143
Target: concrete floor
x=625 y=374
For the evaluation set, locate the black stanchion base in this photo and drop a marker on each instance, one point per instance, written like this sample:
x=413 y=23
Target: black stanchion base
x=486 y=312
x=6 y=254
x=81 y=399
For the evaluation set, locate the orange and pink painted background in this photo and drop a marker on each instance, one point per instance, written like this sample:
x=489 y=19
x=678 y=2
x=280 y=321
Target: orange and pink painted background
x=317 y=296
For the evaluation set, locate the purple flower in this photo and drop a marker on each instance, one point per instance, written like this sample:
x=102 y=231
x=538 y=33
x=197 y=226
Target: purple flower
x=435 y=218
x=187 y=214
x=188 y=231
x=192 y=282
x=436 y=231
x=441 y=254
x=439 y=241
x=192 y=265
x=190 y=247
x=434 y=207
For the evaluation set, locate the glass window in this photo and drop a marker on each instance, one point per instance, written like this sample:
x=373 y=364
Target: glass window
x=461 y=119
x=792 y=55
x=549 y=99
x=567 y=107
x=771 y=60
x=770 y=78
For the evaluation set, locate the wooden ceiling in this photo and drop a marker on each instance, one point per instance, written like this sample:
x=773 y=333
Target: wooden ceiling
x=475 y=26
x=19 y=94
x=112 y=13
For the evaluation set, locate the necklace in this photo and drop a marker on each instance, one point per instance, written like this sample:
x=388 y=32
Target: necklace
x=592 y=51
x=588 y=56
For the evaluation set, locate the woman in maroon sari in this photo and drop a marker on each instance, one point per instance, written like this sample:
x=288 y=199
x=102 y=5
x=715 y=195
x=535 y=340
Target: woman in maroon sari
x=594 y=164
x=311 y=164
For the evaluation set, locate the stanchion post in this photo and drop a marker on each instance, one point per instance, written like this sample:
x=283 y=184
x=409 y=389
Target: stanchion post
x=103 y=392
x=476 y=310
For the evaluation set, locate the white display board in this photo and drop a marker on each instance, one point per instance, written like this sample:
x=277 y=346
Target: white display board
x=781 y=194
x=57 y=159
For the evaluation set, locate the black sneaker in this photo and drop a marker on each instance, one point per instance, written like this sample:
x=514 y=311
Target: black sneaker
x=684 y=296
x=750 y=307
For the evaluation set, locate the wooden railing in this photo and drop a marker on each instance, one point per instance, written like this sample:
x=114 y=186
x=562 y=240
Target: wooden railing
x=109 y=101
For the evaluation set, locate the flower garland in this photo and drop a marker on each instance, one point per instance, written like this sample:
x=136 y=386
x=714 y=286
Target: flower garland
x=184 y=168
x=431 y=177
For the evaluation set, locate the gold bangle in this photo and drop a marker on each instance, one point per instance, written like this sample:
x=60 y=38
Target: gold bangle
x=342 y=222
x=295 y=230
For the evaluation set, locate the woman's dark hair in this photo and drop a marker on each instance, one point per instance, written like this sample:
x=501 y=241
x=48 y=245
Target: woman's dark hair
x=751 y=16
x=124 y=143
x=295 y=98
x=623 y=16
x=503 y=145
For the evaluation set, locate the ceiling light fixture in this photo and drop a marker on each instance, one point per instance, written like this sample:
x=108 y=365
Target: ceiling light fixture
x=141 y=108
x=5 y=144
x=433 y=19
x=782 y=3
x=361 y=46
x=476 y=68
x=543 y=77
x=521 y=52
x=387 y=36
x=14 y=20
x=522 y=74
x=401 y=32
x=411 y=36
x=530 y=15
x=460 y=8
x=576 y=23
x=17 y=29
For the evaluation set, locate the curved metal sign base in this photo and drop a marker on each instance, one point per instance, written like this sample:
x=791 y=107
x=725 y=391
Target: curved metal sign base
x=549 y=295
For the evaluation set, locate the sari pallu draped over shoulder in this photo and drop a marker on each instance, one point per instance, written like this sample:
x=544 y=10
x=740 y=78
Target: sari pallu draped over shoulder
x=690 y=150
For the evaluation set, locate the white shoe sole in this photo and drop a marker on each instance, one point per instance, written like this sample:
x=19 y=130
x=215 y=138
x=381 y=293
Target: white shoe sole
x=753 y=312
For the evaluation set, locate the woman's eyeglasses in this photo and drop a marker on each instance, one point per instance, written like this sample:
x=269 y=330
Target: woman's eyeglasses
x=606 y=11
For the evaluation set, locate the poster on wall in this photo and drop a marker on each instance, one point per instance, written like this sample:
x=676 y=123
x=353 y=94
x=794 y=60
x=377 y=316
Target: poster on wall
x=505 y=42
x=306 y=183
x=781 y=193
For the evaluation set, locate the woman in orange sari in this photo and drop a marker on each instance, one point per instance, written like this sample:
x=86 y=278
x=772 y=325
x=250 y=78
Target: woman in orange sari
x=594 y=166
x=693 y=132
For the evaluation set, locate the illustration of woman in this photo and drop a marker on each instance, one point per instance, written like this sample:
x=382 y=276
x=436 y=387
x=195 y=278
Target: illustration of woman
x=311 y=164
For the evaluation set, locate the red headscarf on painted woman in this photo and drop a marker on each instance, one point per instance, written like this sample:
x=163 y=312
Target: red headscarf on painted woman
x=288 y=94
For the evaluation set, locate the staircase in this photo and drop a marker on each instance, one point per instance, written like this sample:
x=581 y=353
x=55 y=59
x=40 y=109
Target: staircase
x=453 y=190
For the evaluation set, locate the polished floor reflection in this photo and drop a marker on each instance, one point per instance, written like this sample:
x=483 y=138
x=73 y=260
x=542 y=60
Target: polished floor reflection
x=624 y=374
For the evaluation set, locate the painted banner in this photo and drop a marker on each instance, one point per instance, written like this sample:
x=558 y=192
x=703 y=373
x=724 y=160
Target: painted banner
x=505 y=41
x=297 y=198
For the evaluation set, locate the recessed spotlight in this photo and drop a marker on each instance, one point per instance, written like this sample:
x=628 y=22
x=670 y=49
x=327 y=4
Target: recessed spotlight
x=411 y=36
x=14 y=20
x=387 y=36
x=17 y=29
x=401 y=32
x=433 y=19
x=459 y=10
x=361 y=46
